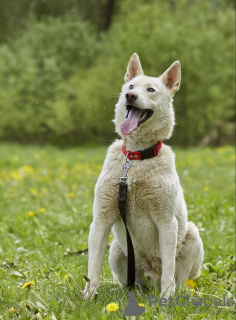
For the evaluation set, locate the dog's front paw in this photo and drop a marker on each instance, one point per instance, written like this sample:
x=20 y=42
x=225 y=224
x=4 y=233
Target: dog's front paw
x=167 y=289
x=90 y=291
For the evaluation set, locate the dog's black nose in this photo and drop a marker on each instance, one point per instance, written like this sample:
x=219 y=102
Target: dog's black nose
x=131 y=96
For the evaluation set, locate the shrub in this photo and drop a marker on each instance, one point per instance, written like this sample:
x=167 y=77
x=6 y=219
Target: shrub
x=200 y=35
x=34 y=69
x=59 y=83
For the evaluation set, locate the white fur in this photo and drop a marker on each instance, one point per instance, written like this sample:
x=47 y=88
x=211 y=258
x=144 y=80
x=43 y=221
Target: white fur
x=167 y=247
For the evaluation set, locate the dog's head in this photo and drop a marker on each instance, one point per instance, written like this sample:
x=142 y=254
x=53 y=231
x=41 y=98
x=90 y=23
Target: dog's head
x=144 y=110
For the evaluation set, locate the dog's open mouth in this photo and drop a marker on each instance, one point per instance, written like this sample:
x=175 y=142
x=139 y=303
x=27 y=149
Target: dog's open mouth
x=134 y=118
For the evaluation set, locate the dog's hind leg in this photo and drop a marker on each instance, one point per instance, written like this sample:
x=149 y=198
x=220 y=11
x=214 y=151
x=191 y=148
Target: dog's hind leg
x=118 y=263
x=189 y=256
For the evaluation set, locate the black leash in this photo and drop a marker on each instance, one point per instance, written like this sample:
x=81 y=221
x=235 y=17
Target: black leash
x=136 y=155
x=122 y=206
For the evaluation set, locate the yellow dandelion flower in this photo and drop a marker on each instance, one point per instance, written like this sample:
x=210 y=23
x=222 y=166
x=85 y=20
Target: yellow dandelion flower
x=31 y=214
x=211 y=161
x=112 y=307
x=223 y=149
x=12 y=310
x=21 y=264
x=206 y=188
x=44 y=190
x=33 y=191
x=27 y=170
x=141 y=304
x=28 y=284
x=190 y=283
x=15 y=175
x=190 y=159
x=42 y=210
x=70 y=195
x=5 y=219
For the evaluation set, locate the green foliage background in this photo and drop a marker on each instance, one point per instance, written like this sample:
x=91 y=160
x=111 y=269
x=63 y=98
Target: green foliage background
x=61 y=72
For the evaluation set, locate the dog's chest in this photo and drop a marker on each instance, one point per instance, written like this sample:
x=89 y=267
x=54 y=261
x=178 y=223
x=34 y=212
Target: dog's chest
x=141 y=201
x=143 y=187
x=148 y=182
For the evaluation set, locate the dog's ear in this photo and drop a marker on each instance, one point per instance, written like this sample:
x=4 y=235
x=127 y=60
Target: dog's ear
x=134 y=68
x=171 y=77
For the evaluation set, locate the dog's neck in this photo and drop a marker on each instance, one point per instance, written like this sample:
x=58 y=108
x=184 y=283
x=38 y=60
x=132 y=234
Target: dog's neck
x=135 y=146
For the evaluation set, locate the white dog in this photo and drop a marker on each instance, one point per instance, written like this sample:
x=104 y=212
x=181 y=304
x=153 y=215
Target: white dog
x=167 y=247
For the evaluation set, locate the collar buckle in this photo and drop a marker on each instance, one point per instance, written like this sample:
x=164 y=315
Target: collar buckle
x=148 y=153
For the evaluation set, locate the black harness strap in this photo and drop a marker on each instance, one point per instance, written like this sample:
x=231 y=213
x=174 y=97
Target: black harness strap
x=131 y=258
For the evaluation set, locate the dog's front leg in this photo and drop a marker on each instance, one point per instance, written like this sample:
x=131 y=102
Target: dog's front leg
x=168 y=241
x=98 y=240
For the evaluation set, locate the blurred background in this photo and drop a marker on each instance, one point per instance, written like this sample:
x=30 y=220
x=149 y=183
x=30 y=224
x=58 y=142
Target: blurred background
x=62 y=65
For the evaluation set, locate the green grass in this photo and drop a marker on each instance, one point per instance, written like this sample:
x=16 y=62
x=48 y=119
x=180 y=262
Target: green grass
x=46 y=197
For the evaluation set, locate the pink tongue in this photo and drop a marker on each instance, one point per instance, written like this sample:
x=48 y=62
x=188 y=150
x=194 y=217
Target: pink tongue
x=131 y=122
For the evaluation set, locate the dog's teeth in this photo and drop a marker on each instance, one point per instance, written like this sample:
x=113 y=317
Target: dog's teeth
x=128 y=108
x=144 y=115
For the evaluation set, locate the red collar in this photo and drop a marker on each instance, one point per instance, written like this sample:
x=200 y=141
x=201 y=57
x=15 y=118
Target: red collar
x=143 y=154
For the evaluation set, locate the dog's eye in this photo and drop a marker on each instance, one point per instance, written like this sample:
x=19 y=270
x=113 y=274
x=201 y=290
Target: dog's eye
x=150 y=89
x=131 y=86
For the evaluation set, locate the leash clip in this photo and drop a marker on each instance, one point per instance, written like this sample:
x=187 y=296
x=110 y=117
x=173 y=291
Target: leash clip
x=126 y=167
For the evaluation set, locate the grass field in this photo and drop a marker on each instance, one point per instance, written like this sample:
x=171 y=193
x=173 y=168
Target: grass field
x=46 y=197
